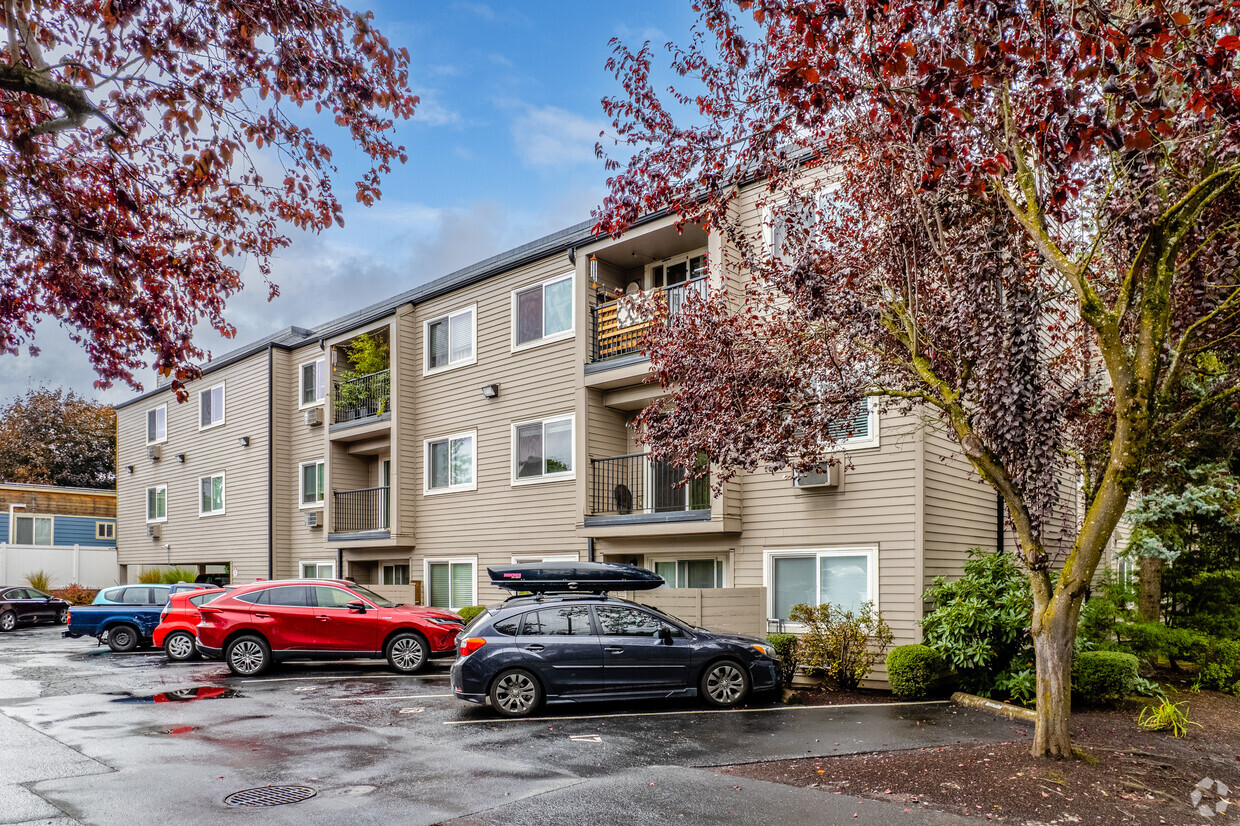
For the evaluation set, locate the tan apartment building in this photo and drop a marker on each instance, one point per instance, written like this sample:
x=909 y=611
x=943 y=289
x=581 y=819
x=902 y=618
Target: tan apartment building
x=498 y=430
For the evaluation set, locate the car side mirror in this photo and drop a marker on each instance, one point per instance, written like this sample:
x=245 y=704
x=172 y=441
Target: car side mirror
x=357 y=606
x=664 y=634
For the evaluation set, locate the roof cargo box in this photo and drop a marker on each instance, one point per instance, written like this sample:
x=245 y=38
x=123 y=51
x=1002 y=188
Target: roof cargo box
x=588 y=577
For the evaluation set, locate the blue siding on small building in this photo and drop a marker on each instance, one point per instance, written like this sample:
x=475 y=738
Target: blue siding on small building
x=68 y=530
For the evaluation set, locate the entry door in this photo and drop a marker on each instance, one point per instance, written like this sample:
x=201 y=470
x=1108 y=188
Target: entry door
x=634 y=658
x=560 y=644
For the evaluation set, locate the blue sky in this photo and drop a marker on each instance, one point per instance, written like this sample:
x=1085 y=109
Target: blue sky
x=501 y=151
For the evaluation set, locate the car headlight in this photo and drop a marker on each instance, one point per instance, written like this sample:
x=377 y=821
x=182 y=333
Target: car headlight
x=444 y=621
x=764 y=649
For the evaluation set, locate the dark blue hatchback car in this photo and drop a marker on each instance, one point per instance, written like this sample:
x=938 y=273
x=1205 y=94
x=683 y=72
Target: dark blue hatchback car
x=560 y=647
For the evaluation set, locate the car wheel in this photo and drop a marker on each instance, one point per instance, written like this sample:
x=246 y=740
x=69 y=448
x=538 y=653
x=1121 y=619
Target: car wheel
x=123 y=638
x=725 y=684
x=8 y=621
x=247 y=656
x=179 y=646
x=63 y=616
x=407 y=652
x=515 y=693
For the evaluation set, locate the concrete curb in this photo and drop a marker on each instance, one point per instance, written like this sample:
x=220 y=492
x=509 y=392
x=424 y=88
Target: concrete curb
x=1026 y=715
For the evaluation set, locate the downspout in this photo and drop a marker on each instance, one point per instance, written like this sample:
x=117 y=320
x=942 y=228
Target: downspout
x=271 y=451
x=589 y=549
x=999 y=523
x=340 y=563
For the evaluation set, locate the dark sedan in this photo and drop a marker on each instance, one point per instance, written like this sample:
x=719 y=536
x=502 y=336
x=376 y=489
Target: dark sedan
x=23 y=605
x=577 y=648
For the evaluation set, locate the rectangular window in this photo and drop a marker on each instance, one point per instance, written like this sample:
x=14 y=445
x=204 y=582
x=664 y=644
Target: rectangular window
x=313 y=382
x=211 y=495
x=318 y=570
x=105 y=530
x=157 y=425
x=32 y=530
x=452 y=583
x=451 y=340
x=450 y=463
x=312 y=487
x=211 y=407
x=691 y=573
x=543 y=312
x=859 y=429
x=543 y=450
x=395 y=575
x=157 y=503
x=844 y=578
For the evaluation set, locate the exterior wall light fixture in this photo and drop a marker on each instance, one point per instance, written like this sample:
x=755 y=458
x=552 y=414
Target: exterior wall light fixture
x=181 y=458
x=490 y=391
x=244 y=441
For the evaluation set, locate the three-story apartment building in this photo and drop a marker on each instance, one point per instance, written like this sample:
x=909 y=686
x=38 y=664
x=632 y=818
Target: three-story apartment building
x=498 y=430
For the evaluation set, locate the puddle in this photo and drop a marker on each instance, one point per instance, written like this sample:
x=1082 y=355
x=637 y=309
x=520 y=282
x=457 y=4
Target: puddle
x=188 y=695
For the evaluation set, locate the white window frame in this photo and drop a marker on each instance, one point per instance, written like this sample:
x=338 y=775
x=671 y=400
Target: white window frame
x=872 y=439
x=301 y=568
x=544 y=478
x=516 y=347
x=147 y=505
x=680 y=258
x=383 y=567
x=302 y=504
x=721 y=565
x=223 y=494
x=320 y=369
x=427 y=490
x=769 y=554
x=146 y=423
x=106 y=530
x=427 y=370
x=212 y=389
x=51 y=531
x=449 y=561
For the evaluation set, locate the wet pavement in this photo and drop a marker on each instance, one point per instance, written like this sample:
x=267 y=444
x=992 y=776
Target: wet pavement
x=88 y=736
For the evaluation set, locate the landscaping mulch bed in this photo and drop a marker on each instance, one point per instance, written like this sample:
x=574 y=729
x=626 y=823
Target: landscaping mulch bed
x=1122 y=774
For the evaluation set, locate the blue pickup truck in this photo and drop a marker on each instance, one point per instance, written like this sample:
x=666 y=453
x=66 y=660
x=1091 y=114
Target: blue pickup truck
x=124 y=616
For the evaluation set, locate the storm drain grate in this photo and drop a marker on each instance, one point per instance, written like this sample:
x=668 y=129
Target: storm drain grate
x=270 y=796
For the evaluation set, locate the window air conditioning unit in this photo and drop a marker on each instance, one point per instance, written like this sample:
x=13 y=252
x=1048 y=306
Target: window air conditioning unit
x=828 y=478
x=155 y=452
x=312 y=417
x=312 y=519
x=154 y=531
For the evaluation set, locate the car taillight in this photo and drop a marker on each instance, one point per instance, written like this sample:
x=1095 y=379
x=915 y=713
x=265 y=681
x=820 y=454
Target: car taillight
x=471 y=644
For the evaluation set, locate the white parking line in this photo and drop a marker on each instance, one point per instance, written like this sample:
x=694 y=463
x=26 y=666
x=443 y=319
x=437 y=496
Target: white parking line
x=371 y=699
x=493 y=721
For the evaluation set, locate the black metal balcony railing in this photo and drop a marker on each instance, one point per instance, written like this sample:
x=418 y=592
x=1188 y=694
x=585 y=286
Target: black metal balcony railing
x=354 y=511
x=368 y=395
x=620 y=324
x=634 y=484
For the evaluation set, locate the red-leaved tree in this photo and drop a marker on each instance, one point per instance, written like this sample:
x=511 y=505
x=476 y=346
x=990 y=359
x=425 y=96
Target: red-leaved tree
x=149 y=148
x=1018 y=217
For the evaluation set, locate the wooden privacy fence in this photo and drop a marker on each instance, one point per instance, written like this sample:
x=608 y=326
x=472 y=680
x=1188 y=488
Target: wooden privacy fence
x=734 y=610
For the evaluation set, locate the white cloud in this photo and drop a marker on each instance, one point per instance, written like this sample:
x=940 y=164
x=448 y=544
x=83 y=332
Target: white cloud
x=549 y=136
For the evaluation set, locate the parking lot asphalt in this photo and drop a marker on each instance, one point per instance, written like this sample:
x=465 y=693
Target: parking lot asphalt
x=92 y=737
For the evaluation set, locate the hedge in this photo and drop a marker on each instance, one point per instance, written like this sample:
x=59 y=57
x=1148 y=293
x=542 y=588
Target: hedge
x=1103 y=676
x=912 y=670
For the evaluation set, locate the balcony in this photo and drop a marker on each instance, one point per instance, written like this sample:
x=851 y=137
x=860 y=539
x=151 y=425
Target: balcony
x=361 y=398
x=634 y=489
x=361 y=514
x=620 y=324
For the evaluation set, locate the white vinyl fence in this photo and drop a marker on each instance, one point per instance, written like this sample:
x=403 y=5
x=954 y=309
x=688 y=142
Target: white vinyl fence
x=88 y=566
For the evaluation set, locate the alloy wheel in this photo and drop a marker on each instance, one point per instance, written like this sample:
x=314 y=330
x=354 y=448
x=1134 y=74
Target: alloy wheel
x=179 y=646
x=516 y=693
x=725 y=684
x=8 y=621
x=407 y=654
x=246 y=657
x=63 y=616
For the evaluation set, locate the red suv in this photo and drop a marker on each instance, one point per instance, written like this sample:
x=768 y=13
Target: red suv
x=321 y=619
x=178 y=623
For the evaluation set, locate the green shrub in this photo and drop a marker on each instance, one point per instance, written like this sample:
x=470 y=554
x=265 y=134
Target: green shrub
x=1218 y=663
x=1212 y=603
x=1106 y=608
x=1100 y=677
x=1153 y=641
x=785 y=646
x=842 y=645
x=1018 y=686
x=980 y=622
x=171 y=576
x=913 y=670
x=1165 y=716
x=470 y=611
x=39 y=580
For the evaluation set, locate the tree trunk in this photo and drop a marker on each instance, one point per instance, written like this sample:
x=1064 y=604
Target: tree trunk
x=1149 y=588
x=1053 y=632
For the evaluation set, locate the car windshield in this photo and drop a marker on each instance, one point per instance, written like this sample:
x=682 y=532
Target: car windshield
x=382 y=602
